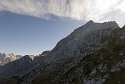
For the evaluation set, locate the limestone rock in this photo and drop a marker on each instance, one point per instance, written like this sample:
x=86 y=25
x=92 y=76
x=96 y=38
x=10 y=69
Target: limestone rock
x=6 y=58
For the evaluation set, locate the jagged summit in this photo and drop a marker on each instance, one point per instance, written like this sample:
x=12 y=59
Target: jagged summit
x=90 y=22
x=92 y=26
x=110 y=24
x=5 y=58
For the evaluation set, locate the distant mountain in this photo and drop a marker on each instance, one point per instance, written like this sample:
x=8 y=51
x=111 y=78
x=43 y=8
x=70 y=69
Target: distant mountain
x=92 y=54
x=5 y=58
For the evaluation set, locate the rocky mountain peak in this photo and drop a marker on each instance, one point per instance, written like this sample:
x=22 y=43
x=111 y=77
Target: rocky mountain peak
x=83 y=35
x=5 y=58
x=92 y=54
x=94 y=26
x=90 y=22
x=90 y=26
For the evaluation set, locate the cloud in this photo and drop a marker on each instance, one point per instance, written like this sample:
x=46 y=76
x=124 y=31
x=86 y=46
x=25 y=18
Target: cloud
x=97 y=10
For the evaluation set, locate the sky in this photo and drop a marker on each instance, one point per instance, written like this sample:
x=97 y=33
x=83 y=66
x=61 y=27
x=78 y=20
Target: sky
x=33 y=26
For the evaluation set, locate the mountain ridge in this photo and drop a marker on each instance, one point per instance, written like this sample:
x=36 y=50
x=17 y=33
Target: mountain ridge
x=88 y=55
x=6 y=58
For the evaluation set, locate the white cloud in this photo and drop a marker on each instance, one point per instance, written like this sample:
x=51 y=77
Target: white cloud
x=97 y=10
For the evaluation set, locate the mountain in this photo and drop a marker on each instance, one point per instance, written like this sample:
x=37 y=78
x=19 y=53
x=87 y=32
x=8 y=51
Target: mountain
x=5 y=58
x=92 y=54
x=45 y=53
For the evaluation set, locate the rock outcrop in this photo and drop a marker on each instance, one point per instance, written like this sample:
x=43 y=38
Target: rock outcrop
x=18 y=67
x=45 y=53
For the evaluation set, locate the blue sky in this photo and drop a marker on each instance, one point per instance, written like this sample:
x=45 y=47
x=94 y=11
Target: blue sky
x=32 y=26
x=21 y=34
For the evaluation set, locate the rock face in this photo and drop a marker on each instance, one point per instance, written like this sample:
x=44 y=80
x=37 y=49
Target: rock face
x=17 y=67
x=92 y=54
x=82 y=39
x=5 y=58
